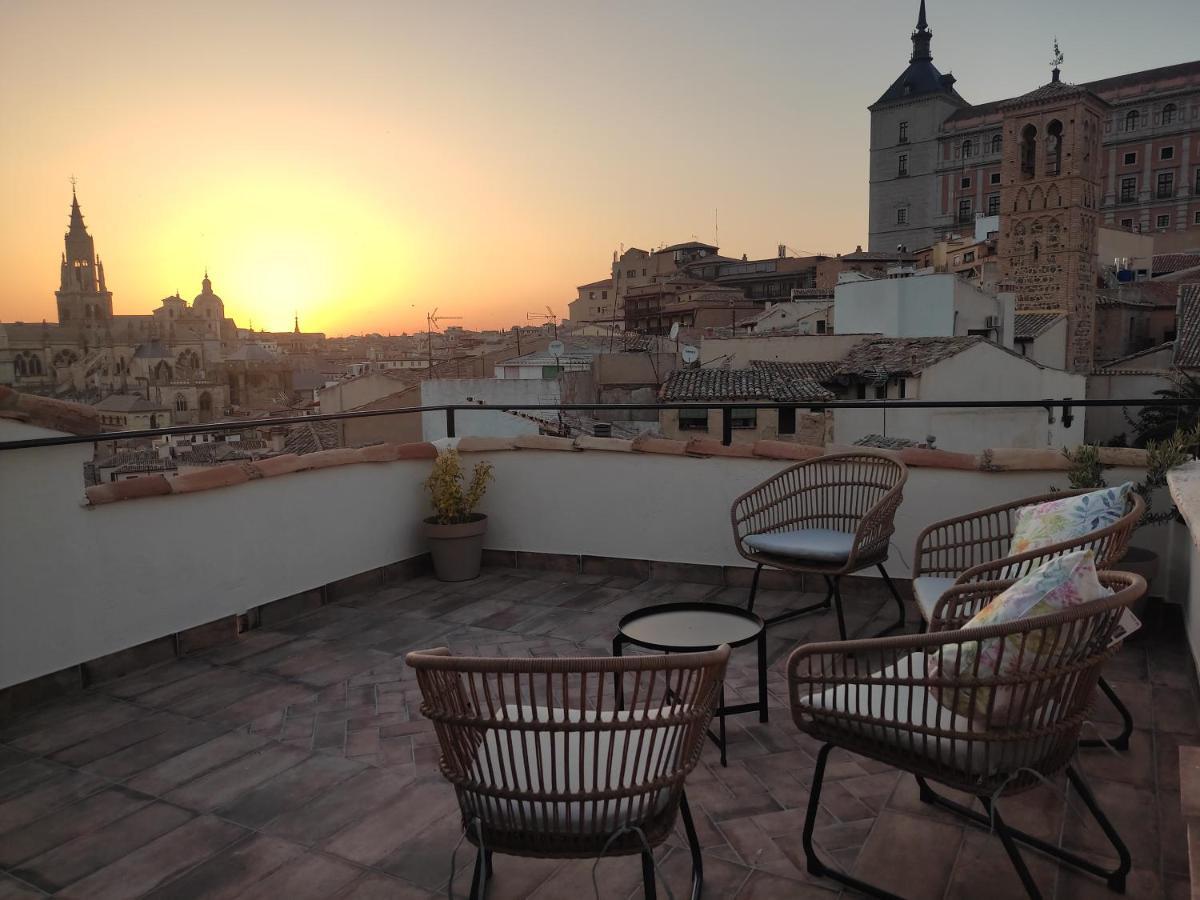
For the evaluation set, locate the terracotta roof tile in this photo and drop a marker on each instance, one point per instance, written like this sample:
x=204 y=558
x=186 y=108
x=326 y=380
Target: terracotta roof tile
x=902 y=356
x=1187 y=338
x=1164 y=263
x=44 y=412
x=1028 y=326
x=756 y=384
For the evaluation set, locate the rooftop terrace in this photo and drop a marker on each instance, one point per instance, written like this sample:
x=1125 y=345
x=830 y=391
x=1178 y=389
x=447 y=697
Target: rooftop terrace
x=294 y=763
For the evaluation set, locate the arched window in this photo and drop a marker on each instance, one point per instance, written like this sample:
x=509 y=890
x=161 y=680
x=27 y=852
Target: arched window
x=1028 y=150
x=35 y=365
x=1131 y=120
x=19 y=364
x=162 y=371
x=187 y=363
x=1054 y=147
x=180 y=403
x=966 y=149
x=997 y=143
x=1037 y=251
x=1168 y=114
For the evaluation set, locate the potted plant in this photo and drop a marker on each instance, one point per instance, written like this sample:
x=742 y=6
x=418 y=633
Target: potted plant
x=455 y=531
x=1161 y=456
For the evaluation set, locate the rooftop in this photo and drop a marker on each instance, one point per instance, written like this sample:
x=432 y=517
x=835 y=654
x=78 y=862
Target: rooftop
x=685 y=385
x=1187 y=341
x=1028 y=326
x=294 y=763
x=903 y=356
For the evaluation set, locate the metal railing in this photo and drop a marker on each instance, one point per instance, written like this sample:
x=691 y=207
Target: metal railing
x=1065 y=407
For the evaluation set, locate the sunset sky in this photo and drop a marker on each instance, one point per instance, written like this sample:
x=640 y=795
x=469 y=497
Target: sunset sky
x=360 y=163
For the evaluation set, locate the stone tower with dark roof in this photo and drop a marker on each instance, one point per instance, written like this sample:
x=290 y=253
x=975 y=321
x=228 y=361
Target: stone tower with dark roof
x=1050 y=194
x=82 y=295
x=904 y=132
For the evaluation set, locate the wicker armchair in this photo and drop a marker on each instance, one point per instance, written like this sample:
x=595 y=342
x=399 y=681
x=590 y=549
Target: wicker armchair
x=878 y=698
x=829 y=516
x=973 y=548
x=571 y=757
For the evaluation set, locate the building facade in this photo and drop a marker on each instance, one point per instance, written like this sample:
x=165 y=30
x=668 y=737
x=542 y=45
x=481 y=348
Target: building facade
x=937 y=160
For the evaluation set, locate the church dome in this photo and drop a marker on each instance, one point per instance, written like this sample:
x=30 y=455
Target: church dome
x=206 y=293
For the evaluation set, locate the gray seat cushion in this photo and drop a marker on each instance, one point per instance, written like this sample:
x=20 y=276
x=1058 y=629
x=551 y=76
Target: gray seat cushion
x=928 y=590
x=823 y=545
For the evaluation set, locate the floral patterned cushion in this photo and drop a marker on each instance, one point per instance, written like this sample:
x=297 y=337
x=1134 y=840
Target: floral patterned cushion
x=1074 y=517
x=1064 y=581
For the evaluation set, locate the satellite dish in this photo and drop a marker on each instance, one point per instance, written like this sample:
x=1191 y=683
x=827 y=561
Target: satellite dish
x=557 y=348
x=674 y=332
x=689 y=353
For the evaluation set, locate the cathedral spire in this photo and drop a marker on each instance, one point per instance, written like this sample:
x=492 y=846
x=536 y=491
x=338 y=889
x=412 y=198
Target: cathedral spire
x=921 y=38
x=77 y=226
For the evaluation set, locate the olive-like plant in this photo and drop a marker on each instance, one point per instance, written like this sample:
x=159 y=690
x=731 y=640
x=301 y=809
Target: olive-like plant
x=454 y=500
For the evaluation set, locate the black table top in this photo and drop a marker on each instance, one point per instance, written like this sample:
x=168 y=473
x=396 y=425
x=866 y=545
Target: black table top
x=690 y=627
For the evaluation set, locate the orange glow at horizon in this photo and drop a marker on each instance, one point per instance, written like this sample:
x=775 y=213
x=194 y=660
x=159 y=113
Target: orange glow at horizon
x=361 y=164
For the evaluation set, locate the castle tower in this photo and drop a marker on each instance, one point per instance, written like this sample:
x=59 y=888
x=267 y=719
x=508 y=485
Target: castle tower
x=904 y=130
x=1049 y=199
x=82 y=294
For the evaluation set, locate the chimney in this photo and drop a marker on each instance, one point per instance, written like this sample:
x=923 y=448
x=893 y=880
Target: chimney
x=782 y=251
x=278 y=435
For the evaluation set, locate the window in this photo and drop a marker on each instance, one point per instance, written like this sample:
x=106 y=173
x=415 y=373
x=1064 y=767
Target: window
x=1196 y=183
x=964 y=210
x=1166 y=186
x=591 y=295
x=1166 y=153
x=787 y=420
x=903 y=140
x=1128 y=190
x=741 y=417
x=997 y=143
x=1131 y=120
x=1028 y=150
x=1196 y=219
x=1127 y=223
x=995 y=178
x=1130 y=159
x=969 y=256
x=693 y=420
x=632 y=273
x=643 y=273
x=1168 y=114
x=1054 y=147
x=964 y=182
x=902 y=165
x=822 y=326
x=993 y=207
x=966 y=149
x=604 y=295
x=861 y=393
x=1163 y=222
x=903 y=388
x=902 y=216
x=180 y=403
x=881 y=392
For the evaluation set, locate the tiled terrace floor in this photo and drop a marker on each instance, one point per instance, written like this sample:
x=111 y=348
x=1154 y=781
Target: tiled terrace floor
x=295 y=764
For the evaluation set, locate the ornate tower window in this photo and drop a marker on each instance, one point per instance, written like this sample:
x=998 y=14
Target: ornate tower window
x=1028 y=151
x=1054 y=148
x=1168 y=114
x=1131 y=120
x=997 y=143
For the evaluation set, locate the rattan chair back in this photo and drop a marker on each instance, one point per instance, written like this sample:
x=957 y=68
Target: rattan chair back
x=909 y=701
x=856 y=492
x=552 y=757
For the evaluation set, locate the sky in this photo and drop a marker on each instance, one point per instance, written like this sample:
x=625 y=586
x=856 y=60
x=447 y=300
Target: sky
x=359 y=164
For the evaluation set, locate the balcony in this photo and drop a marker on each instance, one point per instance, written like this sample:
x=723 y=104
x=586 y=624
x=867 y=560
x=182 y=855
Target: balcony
x=206 y=693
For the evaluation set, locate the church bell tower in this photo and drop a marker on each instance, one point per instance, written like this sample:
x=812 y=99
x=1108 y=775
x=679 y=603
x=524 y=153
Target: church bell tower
x=1050 y=187
x=82 y=295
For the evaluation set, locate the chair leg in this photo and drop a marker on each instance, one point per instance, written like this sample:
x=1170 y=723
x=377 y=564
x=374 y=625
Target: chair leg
x=1115 y=878
x=648 y=886
x=837 y=605
x=1121 y=741
x=899 y=623
x=1010 y=847
x=753 y=587
x=804 y=610
x=483 y=871
x=689 y=828
x=815 y=866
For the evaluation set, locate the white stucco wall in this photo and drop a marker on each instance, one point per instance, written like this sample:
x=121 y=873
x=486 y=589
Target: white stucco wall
x=80 y=583
x=984 y=372
x=934 y=305
x=489 y=391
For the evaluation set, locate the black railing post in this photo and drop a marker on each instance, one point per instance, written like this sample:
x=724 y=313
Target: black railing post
x=1067 y=416
x=450 y=422
x=727 y=425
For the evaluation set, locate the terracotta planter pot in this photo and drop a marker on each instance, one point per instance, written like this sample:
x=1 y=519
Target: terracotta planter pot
x=457 y=549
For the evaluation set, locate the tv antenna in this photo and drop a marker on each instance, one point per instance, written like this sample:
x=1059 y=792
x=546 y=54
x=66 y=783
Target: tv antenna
x=548 y=316
x=432 y=321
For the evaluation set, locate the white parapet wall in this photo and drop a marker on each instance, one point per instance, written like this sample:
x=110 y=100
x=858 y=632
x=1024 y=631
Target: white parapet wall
x=80 y=582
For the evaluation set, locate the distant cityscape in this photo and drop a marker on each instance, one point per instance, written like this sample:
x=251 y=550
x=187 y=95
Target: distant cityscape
x=1046 y=245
